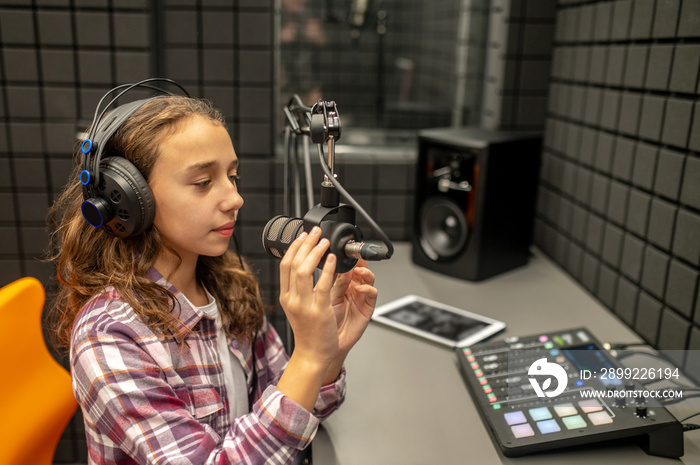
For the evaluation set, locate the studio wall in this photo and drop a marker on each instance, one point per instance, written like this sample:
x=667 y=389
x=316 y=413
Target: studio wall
x=619 y=198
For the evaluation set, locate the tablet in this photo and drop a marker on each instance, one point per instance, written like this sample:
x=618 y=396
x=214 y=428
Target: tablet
x=436 y=321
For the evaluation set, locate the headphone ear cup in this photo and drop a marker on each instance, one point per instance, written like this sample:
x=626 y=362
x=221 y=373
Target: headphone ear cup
x=131 y=198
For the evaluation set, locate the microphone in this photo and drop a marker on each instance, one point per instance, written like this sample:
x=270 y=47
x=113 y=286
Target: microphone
x=357 y=17
x=345 y=240
x=336 y=220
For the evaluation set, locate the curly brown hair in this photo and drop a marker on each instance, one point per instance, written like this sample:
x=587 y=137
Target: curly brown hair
x=89 y=259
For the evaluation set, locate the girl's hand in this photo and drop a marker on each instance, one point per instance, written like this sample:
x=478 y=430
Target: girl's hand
x=353 y=298
x=308 y=307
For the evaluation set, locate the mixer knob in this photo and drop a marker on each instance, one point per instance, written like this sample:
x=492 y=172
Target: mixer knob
x=620 y=401
x=641 y=410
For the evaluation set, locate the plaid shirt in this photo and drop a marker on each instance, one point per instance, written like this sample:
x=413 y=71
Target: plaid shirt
x=147 y=399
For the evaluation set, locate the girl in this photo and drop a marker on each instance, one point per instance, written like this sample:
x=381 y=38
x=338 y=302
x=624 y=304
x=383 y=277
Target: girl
x=172 y=358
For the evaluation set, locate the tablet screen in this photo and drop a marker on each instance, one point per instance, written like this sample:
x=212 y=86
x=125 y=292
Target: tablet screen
x=436 y=321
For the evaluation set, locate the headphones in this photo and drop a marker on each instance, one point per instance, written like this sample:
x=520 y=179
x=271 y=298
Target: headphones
x=116 y=196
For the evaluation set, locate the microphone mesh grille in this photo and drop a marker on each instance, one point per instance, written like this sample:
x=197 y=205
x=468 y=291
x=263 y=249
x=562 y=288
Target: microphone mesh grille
x=281 y=233
x=288 y=231
x=275 y=228
x=275 y=252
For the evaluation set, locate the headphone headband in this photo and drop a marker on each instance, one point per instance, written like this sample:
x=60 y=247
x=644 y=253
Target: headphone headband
x=115 y=194
x=108 y=125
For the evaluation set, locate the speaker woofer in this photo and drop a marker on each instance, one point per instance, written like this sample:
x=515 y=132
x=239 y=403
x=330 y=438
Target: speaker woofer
x=443 y=228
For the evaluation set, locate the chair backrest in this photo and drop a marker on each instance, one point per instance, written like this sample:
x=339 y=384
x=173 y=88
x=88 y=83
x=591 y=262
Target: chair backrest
x=21 y=305
x=36 y=399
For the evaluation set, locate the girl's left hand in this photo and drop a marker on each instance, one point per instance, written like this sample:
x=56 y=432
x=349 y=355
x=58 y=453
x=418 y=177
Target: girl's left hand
x=353 y=298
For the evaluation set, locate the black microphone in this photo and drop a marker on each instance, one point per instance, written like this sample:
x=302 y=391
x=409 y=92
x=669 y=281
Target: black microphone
x=345 y=240
x=336 y=220
x=357 y=17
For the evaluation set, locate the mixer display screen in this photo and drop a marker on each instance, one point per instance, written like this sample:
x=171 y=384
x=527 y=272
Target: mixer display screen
x=588 y=359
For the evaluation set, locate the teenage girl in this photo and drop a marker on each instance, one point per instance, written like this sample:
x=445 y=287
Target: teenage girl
x=172 y=358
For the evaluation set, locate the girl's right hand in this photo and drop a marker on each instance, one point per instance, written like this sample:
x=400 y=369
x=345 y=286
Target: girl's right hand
x=308 y=307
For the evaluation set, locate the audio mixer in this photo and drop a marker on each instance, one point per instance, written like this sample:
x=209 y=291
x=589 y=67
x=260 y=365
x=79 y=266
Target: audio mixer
x=562 y=389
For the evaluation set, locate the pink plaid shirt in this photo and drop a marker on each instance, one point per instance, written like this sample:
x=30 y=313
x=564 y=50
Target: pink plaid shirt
x=147 y=399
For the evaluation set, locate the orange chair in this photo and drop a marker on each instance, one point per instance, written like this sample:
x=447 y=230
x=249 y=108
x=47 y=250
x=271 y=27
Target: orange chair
x=36 y=399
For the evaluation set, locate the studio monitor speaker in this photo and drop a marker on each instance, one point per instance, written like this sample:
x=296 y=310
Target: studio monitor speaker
x=475 y=200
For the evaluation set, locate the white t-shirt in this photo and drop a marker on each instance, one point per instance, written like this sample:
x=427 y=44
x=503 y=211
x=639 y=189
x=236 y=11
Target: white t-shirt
x=234 y=376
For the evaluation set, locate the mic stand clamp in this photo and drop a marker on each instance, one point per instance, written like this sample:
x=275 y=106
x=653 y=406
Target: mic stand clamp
x=325 y=127
x=325 y=122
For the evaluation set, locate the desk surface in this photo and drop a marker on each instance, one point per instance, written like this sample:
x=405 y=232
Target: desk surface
x=406 y=401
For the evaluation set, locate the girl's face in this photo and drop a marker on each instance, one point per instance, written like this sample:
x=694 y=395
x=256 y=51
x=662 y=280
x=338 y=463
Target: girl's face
x=194 y=186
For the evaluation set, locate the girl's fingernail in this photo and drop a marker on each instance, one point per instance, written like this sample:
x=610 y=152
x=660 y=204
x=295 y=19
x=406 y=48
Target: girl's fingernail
x=301 y=236
x=315 y=231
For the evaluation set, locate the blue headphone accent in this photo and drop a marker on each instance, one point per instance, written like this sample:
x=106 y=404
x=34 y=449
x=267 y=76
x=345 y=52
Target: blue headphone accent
x=85 y=177
x=92 y=214
x=82 y=146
